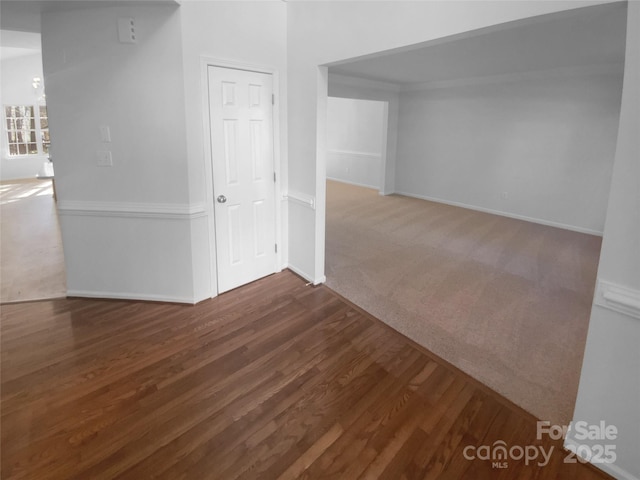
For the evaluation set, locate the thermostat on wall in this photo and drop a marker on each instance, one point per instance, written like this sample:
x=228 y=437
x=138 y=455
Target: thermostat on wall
x=127 y=30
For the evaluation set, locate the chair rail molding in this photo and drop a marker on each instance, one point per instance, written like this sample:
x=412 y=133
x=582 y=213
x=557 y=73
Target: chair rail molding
x=133 y=210
x=618 y=298
x=300 y=199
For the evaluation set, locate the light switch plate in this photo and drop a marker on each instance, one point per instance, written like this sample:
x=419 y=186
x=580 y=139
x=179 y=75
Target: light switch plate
x=104 y=158
x=105 y=133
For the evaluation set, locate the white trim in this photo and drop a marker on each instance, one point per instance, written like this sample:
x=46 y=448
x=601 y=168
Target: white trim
x=560 y=72
x=349 y=182
x=618 y=298
x=208 y=170
x=540 y=221
x=384 y=155
x=306 y=276
x=301 y=273
x=133 y=296
x=354 y=153
x=301 y=199
x=611 y=468
x=132 y=210
x=616 y=68
x=320 y=187
x=205 y=63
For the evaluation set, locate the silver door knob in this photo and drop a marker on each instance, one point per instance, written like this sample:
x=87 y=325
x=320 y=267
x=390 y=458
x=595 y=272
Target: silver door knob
x=221 y=199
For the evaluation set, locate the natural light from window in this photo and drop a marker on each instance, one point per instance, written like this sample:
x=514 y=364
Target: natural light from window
x=27 y=129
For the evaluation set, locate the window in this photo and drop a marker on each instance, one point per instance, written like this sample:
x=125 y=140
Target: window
x=44 y=129
x=27 y=129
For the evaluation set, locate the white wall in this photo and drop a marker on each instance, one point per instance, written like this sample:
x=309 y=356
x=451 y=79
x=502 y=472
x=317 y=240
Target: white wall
x=126 y=229
x=355 y=140
x=250 y=33
x=142 y=228
x=349 y=87
x=610 y=381
x=323 y=32
x=544 y=141
x=16 y=88
x=136 y=89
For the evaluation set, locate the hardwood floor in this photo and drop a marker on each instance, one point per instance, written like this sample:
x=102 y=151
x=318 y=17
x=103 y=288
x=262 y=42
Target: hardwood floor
x=31 y=253
x=273 y=380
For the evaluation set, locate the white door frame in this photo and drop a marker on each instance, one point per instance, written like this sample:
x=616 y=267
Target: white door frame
x=205 y=63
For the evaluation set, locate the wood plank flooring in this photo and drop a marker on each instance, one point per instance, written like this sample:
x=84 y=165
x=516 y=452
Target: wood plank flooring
x=31 y=256
x=275 y=380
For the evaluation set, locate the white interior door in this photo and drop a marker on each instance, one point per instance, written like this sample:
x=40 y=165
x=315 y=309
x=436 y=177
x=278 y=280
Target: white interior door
x=241 y=120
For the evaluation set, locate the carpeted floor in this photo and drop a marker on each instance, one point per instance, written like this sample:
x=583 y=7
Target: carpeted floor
x=31 y=247
x=506 y=301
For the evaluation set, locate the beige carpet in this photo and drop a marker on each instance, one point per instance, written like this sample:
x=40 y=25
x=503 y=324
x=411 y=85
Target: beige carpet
x=32 y=262
x=504 y=300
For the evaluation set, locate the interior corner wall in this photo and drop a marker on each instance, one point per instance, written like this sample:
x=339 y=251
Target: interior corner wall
x=126 y=228
x=136 y=89
x=539 y=148
x=344 y=87
x=355 y=141
x=320 y=33
x=246 y=33
x=17 y=76
x=610 y=380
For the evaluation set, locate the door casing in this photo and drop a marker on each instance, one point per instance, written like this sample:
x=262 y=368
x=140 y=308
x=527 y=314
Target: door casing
x=205 y=63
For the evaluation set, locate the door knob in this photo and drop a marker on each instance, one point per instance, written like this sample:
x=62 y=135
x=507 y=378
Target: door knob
x=221 y=199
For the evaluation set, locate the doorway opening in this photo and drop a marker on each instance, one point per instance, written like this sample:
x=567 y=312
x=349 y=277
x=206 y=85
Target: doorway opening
x=356 y=141
x=31 y=249
x=485 y=257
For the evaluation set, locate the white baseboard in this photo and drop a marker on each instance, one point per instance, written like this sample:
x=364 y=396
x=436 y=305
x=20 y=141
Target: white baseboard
x=540 y=221
x=349 y=182
x=199 y=299
x=611 y=468
x=303 y=274
x=133 y=296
